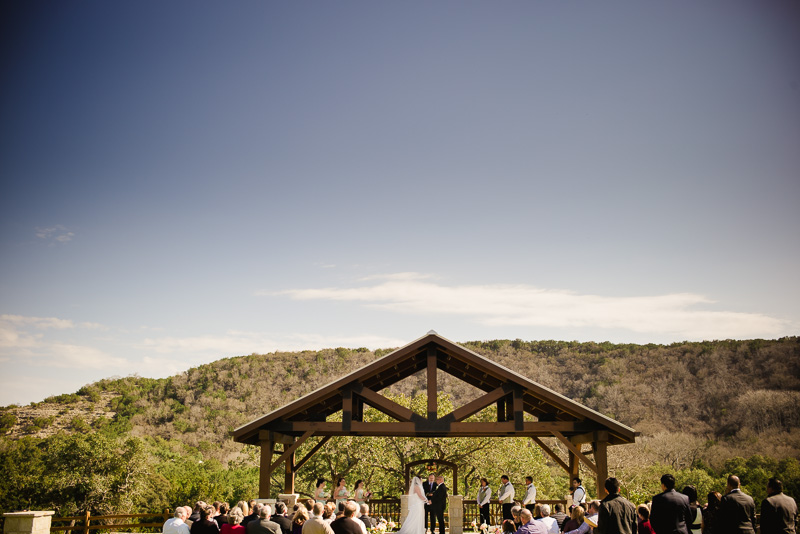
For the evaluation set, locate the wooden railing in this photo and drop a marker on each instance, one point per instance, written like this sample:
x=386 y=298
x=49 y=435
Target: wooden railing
x=389 y=509
x=86 y=522
x=472 y=511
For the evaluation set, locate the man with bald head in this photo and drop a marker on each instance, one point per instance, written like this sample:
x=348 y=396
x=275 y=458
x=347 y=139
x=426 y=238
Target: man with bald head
x=529 y=526
x=737 y=511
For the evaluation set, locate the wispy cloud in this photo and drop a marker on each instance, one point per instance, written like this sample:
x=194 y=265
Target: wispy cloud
x=679 y=315
x=57 y=233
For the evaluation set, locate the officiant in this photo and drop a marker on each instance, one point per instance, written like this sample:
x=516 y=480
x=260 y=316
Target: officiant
x=429 y=486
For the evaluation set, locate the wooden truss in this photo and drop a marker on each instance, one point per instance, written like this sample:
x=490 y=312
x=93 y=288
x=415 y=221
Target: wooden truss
x=554 y=415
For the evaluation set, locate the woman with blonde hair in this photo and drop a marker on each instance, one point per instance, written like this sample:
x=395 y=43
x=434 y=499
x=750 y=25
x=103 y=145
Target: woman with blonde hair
x=578 y=515
x=300 y=517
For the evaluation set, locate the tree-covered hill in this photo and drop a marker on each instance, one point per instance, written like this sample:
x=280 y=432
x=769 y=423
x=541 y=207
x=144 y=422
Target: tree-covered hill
x=697 y=405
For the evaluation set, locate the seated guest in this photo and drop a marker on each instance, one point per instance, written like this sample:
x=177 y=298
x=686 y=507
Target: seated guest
x=205 y=525
x=300 y=517
x=578 y=519
x=316 y=524
x=222 y=518
x=592 y=514
x=255 y=508
x=264 y=525
x=529 y=526
x=515 y=515
x=309 y=504
x=281 y=519
x=346 y=524
x=188 y=521
x=234 y=524
x=242 y=505
x=365 y=518
x=643 y=520
x=559 y=515
x=176 y=524
x=195 y=515
x=549 y=522
x=537 y=511
x=508 y=526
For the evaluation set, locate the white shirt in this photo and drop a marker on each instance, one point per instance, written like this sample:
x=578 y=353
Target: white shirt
x=530 y=495
x=579 y=495
x=551 y=524
x=175 y=525
x=486 y=498
x=507 y=492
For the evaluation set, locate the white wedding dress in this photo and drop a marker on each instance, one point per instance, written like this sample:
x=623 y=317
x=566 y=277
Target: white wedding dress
x=415 y=520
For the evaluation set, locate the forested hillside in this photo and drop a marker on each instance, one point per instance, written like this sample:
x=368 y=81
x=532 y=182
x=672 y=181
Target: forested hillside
x=703 y=409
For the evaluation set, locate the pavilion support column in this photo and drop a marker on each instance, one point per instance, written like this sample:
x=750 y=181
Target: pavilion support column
x=288 y=481
x=600 y=450
x=265 y=471
x=574 y=466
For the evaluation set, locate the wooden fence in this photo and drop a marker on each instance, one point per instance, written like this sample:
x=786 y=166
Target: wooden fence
x=118 y=523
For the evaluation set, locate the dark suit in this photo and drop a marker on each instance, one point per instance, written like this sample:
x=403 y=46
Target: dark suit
x=263 y=526
x=368 y=521
x=346 y=525
x=284 y=522
x=438 y=504
x=617 y=516
x=778 y=514
x=737 y=514
x=670 y=513
x=430 y=519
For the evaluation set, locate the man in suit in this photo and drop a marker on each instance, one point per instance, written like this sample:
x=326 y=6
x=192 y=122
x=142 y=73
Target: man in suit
x=346 y=524
x=439 y=503
x=778 y=510
x=429 y=486
x=315 y=524
x=617 y=514
x=263 y=525
x=737 y=511
x=280 y=518
x=670 y=512
x=365 y=518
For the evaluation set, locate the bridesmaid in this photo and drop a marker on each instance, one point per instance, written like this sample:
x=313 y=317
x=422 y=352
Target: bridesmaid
x=320 y=495
x=360 y=493
x=484 y=496
x=340 y=493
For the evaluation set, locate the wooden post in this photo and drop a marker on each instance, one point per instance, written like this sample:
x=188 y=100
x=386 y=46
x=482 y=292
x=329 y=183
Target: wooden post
x=86 y=523
x=501 y=410
x=600 y=449
x=432 y=387
x=265 y=471
x=574 y=466
x=288 y=481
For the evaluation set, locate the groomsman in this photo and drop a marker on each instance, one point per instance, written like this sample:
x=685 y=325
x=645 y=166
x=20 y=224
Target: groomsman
x=429 y=486
x=505 y=495
x=529 y=501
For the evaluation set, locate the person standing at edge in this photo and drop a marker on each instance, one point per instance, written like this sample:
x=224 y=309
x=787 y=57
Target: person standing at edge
x=737 y=511
x=670 y=512
x=778 y=510
x=617 y=514
x=506 y=496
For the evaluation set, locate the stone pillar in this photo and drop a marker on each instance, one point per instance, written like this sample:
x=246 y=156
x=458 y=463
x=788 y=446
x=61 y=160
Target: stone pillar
x=27 y=522
x=289 y=498
x=456 y=511
x=404 y=508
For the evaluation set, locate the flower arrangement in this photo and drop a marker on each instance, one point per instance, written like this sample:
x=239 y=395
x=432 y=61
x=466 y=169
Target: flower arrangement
x=383 y=526
x=483 y=527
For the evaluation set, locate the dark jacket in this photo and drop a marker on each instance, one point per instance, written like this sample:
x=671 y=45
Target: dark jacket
x=428 y=488
x=617 y=516
x=439 y=498
x=346 y=525
x=737 y=514
x=778 y=514
x=284 y=522
x=670 y=513
x=263 y=526
x=204 y=526
x=368 y=521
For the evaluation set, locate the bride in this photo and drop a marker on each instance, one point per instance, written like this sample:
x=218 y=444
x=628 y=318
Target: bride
x=415 y=520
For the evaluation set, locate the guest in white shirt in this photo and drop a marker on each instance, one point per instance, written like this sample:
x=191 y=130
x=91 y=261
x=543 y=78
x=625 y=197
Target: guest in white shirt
x=549 y=522
x=530 y=494
x=176 y=524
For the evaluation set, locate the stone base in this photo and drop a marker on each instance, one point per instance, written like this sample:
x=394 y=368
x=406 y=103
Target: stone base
x=403 y=508
x=456 y=512
x=28 y=522
x=289 y=498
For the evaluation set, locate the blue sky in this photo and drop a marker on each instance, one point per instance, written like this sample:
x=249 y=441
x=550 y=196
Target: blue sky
x=186 y=181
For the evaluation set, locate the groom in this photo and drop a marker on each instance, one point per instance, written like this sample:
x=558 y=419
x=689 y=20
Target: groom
x=429 y=486
x=438 y=504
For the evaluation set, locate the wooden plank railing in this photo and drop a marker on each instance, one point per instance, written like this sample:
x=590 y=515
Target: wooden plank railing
x=86 y=522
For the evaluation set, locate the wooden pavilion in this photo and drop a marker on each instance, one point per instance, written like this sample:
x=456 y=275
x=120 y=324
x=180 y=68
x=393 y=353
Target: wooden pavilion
x=554 y=415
